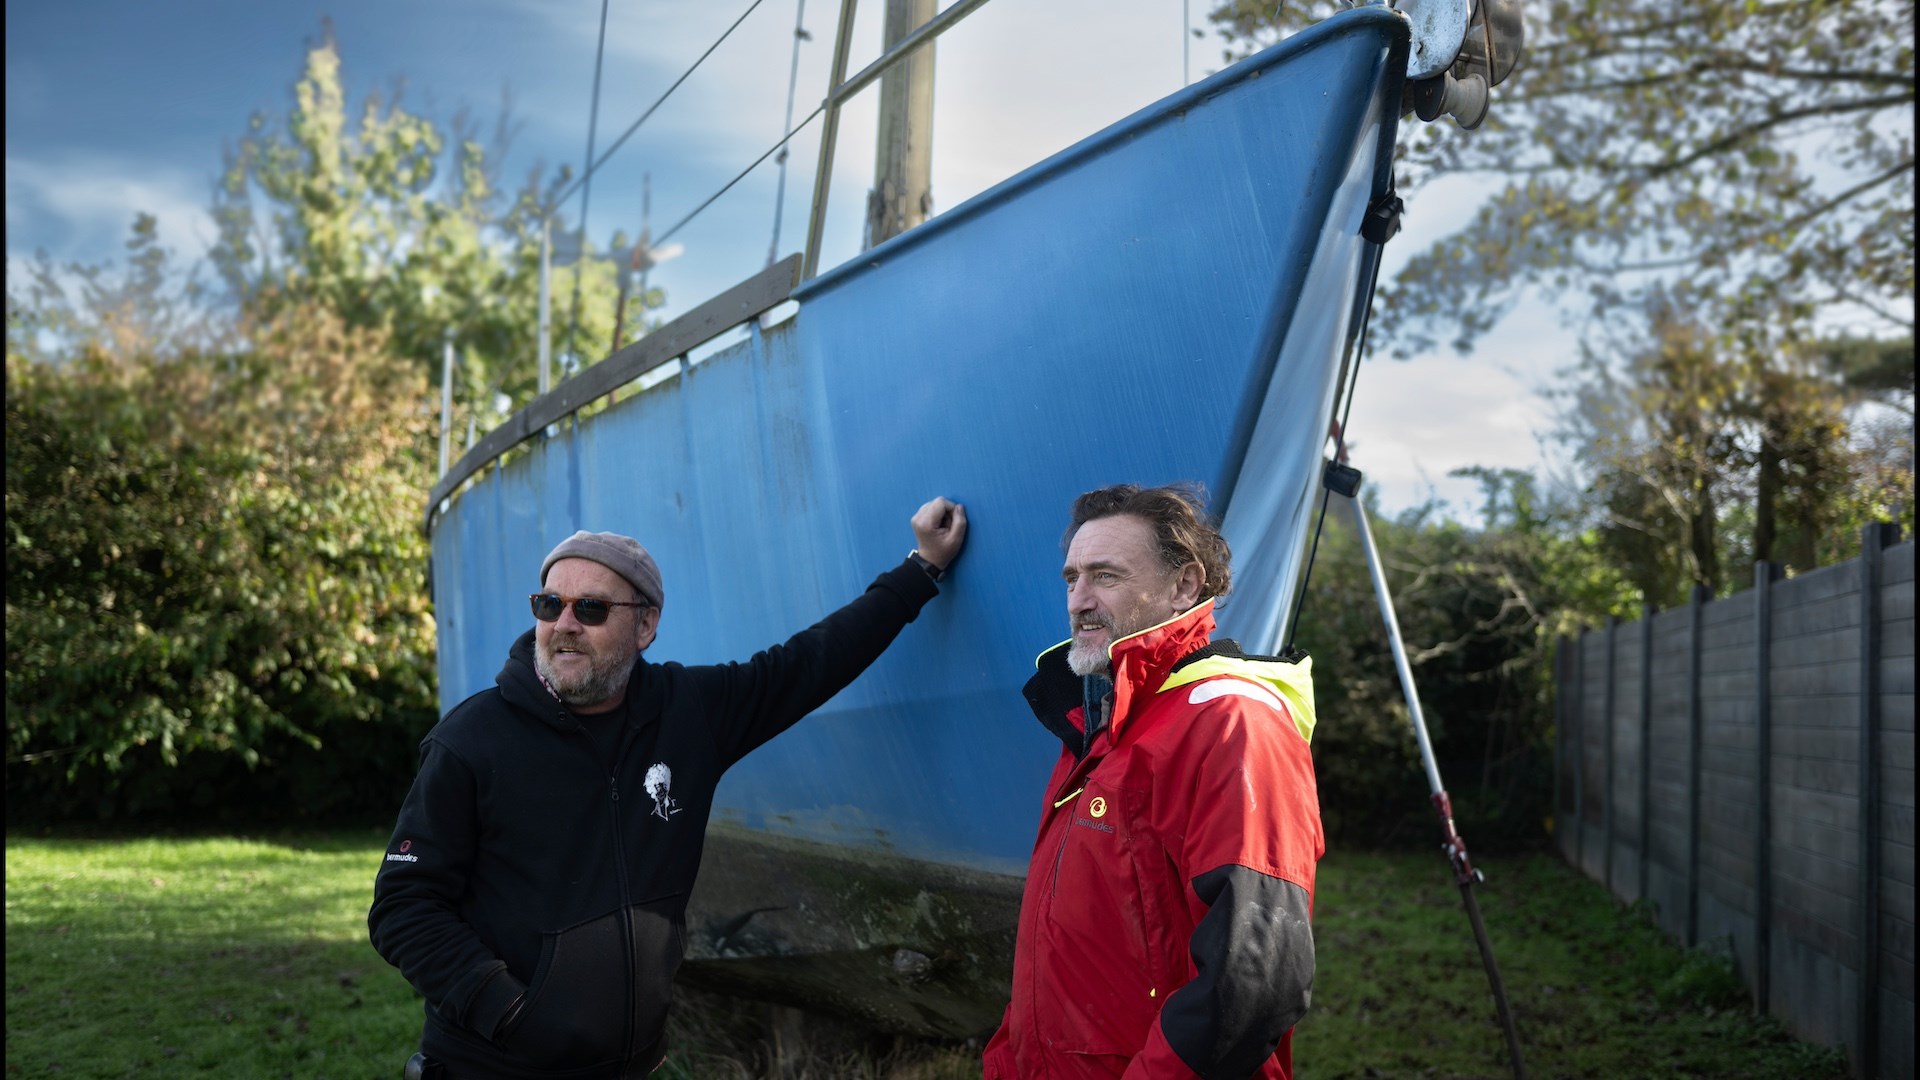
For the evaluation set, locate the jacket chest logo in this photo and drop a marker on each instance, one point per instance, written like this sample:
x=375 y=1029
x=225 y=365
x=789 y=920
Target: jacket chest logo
x=1089 y=813
x=659 y=785
x=1089 y=823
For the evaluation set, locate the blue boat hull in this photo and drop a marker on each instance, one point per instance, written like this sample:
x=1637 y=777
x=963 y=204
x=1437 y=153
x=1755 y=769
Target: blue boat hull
x=1167 y=300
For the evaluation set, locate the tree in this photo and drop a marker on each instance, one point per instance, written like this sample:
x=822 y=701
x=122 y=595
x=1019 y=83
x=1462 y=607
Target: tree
x=1758 y=156
x=214 y=565
x=1716 y=186
x=143 y=307
x=1704 y=458
x=365 y=221
x=216 y=595
x=1479 y=609
x=1654 y=431
x=1873 y=369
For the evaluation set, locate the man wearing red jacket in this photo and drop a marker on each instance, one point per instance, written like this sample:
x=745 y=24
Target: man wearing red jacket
x=1164 y=931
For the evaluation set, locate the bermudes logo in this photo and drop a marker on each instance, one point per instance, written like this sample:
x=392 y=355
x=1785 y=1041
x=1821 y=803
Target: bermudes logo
x=401 y=855
x=1097 y=806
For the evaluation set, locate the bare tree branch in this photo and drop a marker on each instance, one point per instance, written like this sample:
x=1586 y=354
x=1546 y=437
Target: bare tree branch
x=1735 y=138
x=1848 y=195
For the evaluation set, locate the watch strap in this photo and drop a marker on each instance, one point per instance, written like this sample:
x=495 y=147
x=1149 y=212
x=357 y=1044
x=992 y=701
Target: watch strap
x=925 y=564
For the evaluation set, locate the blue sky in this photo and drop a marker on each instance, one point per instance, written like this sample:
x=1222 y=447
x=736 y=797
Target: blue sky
x=116 y=107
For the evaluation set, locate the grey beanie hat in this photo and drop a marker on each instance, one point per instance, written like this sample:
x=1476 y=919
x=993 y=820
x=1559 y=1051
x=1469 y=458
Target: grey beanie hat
x=621 y=554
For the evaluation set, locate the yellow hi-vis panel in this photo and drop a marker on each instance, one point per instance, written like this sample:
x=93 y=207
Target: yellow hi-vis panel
x=1293 y=682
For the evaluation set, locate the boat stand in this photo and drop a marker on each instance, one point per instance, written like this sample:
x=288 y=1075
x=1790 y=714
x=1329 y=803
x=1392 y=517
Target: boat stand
x=1344 y=480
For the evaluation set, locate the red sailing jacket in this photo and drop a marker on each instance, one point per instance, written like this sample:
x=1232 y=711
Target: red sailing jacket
x=1164 y=928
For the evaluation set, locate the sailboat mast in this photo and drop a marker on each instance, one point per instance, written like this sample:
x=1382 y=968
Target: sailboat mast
x=902 y=195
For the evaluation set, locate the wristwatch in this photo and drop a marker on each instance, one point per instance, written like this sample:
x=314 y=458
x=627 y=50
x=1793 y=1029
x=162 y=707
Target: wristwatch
x=922 y=562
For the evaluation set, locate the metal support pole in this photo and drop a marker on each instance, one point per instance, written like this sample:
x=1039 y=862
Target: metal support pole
x=1455 y=848
x=829 y=133
x=929 y=30
x=646 y=245
x=546 y=306
x=446 y=403
x=793 y=77
x=1186 y=43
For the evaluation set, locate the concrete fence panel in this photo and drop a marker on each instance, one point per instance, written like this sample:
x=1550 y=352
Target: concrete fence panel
x=1744 y=766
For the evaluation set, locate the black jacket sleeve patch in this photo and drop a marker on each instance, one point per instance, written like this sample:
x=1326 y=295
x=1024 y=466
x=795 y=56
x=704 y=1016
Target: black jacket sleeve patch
x=1254 y=952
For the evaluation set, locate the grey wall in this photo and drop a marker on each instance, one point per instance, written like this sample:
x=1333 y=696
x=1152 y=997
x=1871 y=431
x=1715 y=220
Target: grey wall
x=1672 y=727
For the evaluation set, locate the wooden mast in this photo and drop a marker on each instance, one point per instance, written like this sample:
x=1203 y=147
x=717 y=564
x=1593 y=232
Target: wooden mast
x=902 y=195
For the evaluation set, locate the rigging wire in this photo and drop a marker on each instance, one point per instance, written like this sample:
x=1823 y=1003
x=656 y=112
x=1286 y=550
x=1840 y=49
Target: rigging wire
x=793 y=82
x=742 y=174
x=1340 y=452
x=586 y=187
x=594 y=164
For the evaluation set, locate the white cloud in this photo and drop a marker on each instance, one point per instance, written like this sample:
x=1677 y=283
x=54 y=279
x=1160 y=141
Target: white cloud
x=1415 y=421
x=87 y=202
x=1009 y=92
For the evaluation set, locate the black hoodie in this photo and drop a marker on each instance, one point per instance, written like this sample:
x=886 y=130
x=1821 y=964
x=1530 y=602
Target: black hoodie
x=520 y=865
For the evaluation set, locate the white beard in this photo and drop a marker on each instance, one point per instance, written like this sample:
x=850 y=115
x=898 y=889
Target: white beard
x=603 y=681
x=1088 y=659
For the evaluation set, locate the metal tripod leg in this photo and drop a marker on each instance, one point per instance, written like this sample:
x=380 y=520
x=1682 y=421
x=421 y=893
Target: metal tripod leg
x=1456 y=849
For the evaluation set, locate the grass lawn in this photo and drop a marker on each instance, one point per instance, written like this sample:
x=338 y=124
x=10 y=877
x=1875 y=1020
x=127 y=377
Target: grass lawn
x=248 y=958
x=200 y=957
x=1596 y=990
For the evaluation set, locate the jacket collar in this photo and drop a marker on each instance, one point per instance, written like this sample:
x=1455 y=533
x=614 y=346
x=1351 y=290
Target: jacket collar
x=1140 y=663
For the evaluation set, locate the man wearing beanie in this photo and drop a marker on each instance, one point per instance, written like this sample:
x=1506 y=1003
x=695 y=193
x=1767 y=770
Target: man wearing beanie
x=535 y=888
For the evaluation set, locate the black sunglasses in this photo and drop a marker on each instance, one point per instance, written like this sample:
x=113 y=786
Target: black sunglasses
x=591 y=612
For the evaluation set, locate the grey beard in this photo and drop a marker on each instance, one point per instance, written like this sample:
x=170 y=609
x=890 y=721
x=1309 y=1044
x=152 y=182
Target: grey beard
x=601 y=684
x=1086 y=660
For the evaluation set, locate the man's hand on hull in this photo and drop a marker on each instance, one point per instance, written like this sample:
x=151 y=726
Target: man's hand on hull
x=939 y=530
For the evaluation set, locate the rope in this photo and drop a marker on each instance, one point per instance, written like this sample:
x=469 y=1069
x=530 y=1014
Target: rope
x=793 y=82
x=594 y=165
x=586 y=187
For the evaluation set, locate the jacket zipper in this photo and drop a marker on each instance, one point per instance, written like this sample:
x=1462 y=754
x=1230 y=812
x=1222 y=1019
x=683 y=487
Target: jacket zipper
x=620 y=874
x=626 y=903
x=1082 y=770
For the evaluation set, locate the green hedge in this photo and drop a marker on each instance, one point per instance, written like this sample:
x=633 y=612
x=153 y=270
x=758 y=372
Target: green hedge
x=216 y=601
